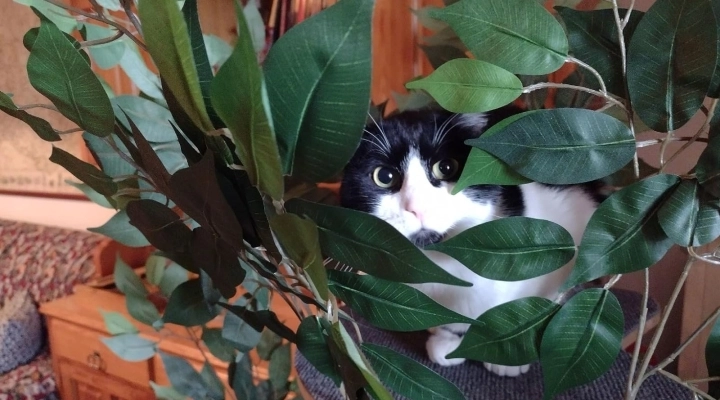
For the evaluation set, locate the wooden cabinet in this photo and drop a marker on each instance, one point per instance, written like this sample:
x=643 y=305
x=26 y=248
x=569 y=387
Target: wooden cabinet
x=82 y=382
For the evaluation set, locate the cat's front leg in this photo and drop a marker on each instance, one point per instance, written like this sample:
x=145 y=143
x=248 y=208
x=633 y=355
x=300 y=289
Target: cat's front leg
x=443 y=341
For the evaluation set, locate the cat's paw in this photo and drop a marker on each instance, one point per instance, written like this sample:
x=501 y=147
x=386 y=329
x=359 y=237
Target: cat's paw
x=505 y=370
x=440 y=344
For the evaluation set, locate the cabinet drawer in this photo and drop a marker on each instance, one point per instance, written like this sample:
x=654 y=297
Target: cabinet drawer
x=85 y=347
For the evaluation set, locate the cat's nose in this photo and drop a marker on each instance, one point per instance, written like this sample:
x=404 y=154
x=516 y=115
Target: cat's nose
x=414 y=210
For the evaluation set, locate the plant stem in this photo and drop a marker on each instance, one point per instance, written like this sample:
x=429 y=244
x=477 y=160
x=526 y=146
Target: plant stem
x=652 y=142
x=100 y=18
x=72 y=130
x=641 y=330
x=599 y=78
x=663 y=149
x=628 y=13
x=545 y=85
x=687 y=385
x=108 y=39
x=127 y=6
x=707 y=257
x=661 y=327
x=612 y=281
x=703 y=380
x=687 y=341
x=705 y=128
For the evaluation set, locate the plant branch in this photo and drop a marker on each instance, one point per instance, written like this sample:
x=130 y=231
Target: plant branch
x=707 y=257
x=599 y=78
x=612 y=281
x=685 y=344
x=687 y=385
x=127 y=6
x=661 y=327
x=545 y=85
x=628 y=13
x=72 y=130
x=652 y=142
x=663 y=148
x=108 y=39
x=705 y=128
x=641 y=330
x=703 y=380
x=100 y=18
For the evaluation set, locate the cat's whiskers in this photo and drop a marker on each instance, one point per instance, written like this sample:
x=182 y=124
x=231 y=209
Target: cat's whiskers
x=382 y=132
x=447 y=130
x=439 y=133
x=381 y=147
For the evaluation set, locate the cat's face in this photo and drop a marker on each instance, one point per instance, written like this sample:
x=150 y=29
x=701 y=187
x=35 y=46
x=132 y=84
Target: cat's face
x=404 y=172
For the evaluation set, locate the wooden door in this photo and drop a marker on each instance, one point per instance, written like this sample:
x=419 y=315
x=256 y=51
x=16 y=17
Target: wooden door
x=79 y=382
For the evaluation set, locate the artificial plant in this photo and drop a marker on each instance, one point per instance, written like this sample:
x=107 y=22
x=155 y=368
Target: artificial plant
x=217 y=165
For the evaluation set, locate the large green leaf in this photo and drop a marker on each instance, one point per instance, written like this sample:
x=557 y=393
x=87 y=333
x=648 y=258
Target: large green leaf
x=714 y=90
x=483 y=168
x=624 y=234
x=280 y=367
x=408 y=377
x=517 y=35
x=162 y=226
x=511 y=249
x=708 y=165
x=712 y=358
x=87 y=173
x=133 y=64
x=130 y=347
x=466 y=85
x=167 y=38
x=593 y=38
x=582 y=341
x=184 y=378
x=508 y=334
x=239 y=333
x=299 y=237
x=562 y=146
x=312 y=343
x=106 y=55
x=370 y=244
x=117 y=324
x=318 y=83
x=667 y=78
x=58 y=15
x=111 y=162
x=153 y=120
x=43 y=128
x=138 y=305
x=119 y=228
x=217 y=344
x=690 y=217
x=58 y=71
x=390 y=305
x=238 y=86
x=187 y=306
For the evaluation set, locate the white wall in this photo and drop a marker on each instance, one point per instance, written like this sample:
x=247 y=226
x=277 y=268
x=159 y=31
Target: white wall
x=73 y=214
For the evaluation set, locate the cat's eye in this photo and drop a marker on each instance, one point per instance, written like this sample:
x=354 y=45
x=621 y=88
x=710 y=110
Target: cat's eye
x=445 y=169
x=385 y=177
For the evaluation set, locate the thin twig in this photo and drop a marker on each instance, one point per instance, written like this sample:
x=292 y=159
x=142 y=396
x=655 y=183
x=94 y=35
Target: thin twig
x=687 y=385
x=685 y=344
x=652 y=142
x=599 y=78
x=661 y=327
x=101 y=19
x=45 y=106
x=663 y=148
x=612 y=281
x=703 y=380
x=127 y=6
x=641 y=331
x=628 y=13
x=72 y=130
x=705 y=128
x=706 y=257
x=108 y=39
x=545 y=85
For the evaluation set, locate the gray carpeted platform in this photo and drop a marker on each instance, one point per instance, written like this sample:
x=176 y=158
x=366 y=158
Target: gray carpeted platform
x=479 y=384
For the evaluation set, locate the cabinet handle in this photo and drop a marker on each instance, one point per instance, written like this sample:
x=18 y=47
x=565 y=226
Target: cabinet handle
x=95 y=361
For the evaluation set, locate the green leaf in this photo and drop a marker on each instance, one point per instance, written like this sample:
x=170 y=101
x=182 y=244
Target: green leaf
x=319 y=109
x=413 y=100
x=112 y=5
x=92 y=195
x=87 y=173
x=131 y=347
x=390 y=305
x=582 y=341
x=218 y=50
x=466 y=85
x=348 y=346
x=256 y=25
x=593 y=38
x=299 y=237
x=217 y=344
x=239 y=86
x=312 y=343
x=43 y=128
x=58 y=15
x=187 y=306
x=155 y=269
x=218 y=259
x=106 y=55
x=141 y=76
x=370 y=244
x=668 y=79
x=109 y=160
x=689 y=216
x=166 y=392
x=585 y=145
x=120 y=229
x=517 y=35
x=712 y=357
x=483 y=168
x=408 y=377
x=58 y=71
x=166 y=36
x=714 y=90
x=216 y=390
x=143 y=310
x=183 y=376
x=708 y=167
x=624 y=234
x=241 y=334
x=508 y=334
x=242 y=380
x=269 y=342
x=511 y=249
x=440 y=54
x=152 y=119
x=127 y=281
x=173 y=276
x=279 y=368
x=160 y=225
x=116 y=323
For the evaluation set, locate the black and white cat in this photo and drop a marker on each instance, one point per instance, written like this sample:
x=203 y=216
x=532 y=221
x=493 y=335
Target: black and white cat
x=404 y=171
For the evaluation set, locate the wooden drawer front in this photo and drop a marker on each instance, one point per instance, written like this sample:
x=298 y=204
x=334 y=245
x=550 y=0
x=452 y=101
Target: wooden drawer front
x=85 y=347
x=83 y=383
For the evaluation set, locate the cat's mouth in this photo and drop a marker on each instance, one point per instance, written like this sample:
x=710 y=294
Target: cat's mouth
x=426 y=237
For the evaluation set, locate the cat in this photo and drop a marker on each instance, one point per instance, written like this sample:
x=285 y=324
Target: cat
x=404 y=171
